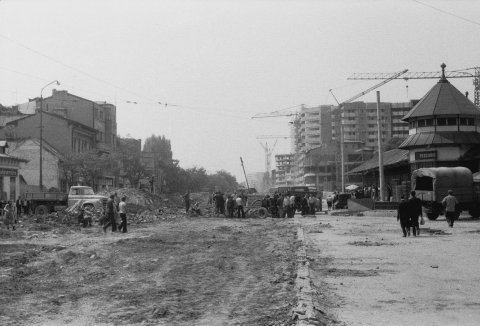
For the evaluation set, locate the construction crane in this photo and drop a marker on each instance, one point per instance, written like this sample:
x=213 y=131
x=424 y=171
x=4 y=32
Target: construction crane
x=473 y=72
x=269 y=150
x=389 y=78
x=273 y=137
x=268 y=155
x=278 y=113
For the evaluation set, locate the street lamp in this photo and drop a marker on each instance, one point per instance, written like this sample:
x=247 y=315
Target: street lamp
x=41 y=130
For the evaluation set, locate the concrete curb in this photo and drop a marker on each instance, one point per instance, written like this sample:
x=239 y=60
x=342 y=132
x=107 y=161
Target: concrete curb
x=304 y=313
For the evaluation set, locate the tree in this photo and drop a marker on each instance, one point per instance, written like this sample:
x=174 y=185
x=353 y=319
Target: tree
x=90 y=166
x=129 y=153
x=197 y=179
x=159 y=144
x=222 y=181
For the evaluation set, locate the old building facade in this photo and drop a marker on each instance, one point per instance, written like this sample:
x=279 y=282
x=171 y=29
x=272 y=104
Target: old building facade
x=100 y=116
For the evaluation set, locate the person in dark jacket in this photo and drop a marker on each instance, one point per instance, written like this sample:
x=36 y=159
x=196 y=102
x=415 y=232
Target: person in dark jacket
x=274 y=205
x=111 y=210
x=304 y=205
x=186 y=198
x=404 y=217
x=415 y=211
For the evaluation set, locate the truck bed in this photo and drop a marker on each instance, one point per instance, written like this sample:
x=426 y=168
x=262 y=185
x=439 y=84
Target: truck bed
x=46 y=196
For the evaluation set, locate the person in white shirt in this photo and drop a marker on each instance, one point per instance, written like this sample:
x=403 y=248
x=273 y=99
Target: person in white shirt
x=292 y=206
x=239 y=202
x=286 y=206
x=122 y=209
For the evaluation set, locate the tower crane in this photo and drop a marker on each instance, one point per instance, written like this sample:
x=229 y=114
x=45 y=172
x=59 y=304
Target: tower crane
x=473 y=72
x=278 y=113
x=388 y=78
x=269 y=150
x=268 y=155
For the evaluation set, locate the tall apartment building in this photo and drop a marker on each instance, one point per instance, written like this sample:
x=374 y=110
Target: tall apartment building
x=311 y=127
x=360 y=122
x=283 y=174
x=316 y=138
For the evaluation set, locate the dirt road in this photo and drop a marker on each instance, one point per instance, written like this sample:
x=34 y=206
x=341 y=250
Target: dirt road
x=204 y=271
x=366 y=273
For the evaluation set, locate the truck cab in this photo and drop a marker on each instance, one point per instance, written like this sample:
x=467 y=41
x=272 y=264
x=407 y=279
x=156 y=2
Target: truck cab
x=85 y=193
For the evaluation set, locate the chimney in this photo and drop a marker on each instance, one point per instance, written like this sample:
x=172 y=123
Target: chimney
x=466 y=94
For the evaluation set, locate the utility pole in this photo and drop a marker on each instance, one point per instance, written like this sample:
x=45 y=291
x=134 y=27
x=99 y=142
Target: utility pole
x=243 y=167
x=40 y=181
x=380 y=153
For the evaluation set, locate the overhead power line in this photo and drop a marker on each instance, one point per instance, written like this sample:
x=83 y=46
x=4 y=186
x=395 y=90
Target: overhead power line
x=73 y=68
x=447 y=12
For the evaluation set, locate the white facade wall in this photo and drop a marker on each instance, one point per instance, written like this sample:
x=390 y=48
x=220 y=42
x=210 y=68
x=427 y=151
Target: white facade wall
x=30 y=150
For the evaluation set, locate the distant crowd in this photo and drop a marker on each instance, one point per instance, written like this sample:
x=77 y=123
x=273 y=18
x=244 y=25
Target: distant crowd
x=278 y=205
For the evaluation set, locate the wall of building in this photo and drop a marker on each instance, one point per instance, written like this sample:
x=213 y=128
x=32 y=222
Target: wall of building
x=55 y=131
x=30 y=150
x=100 y=116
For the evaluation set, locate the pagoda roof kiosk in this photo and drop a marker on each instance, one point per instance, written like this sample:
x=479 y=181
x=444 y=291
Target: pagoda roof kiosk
x=444 y=129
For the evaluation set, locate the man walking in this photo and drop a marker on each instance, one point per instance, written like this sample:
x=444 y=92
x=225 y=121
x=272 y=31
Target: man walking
x=403 y=217
x=110 y=214
x=186 y=198
x=415 y=211
x=122 y=209
x=450 y=204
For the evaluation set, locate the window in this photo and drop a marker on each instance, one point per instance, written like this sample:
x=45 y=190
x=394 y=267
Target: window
x=446 y=121
x=467 y=121
x=413 y=124
x=425 y=123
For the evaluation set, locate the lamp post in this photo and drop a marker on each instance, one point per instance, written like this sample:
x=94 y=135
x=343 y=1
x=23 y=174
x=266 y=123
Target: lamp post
x=41 y=131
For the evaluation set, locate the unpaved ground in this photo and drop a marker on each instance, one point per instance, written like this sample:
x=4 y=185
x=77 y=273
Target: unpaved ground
x=366 y=273
x=203 y=271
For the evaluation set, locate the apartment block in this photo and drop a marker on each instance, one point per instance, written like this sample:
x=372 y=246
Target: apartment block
x=283 y=173
x=316 y=139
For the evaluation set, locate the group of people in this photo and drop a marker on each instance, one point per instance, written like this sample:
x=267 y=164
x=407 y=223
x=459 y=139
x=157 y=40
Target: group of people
x=285 y=205
x=233 y=203
x=230 y=202
x=10 y=214
x=114 y=209
x=12 y=210
x=409 y=212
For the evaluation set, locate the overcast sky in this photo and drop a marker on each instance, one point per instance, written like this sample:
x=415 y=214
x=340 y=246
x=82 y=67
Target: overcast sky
x=217 y=63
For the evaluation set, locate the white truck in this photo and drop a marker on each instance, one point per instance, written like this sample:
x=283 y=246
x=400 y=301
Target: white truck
x=47 y=202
